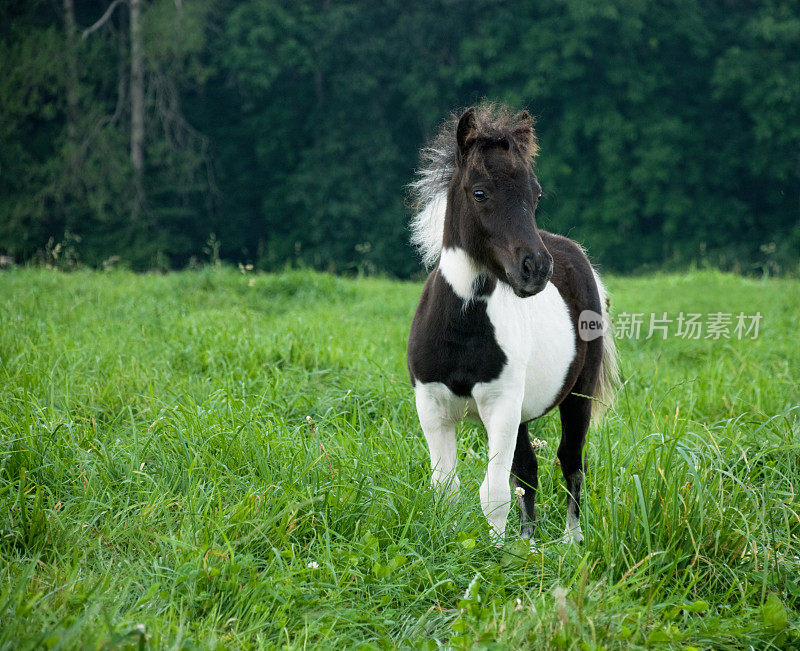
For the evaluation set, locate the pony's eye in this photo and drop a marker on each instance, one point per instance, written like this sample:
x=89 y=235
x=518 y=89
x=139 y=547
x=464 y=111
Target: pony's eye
x=479 y=195
x=539 y=197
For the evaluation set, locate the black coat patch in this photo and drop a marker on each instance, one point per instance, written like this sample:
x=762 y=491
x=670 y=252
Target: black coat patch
x=452 y=343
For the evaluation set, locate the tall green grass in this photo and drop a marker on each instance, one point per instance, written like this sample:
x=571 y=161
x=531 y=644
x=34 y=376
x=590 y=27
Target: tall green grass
x=216 y=460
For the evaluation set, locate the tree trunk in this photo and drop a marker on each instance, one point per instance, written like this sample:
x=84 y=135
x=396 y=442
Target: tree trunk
x=137 y=107
x=72 y=80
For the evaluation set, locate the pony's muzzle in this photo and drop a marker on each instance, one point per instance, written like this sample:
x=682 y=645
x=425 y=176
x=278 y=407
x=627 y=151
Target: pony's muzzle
x=535 y=270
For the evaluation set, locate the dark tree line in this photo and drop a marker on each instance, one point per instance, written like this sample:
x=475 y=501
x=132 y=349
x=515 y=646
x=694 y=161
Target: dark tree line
x=670 y=131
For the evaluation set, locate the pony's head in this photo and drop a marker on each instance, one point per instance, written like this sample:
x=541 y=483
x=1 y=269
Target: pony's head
x=492 y=198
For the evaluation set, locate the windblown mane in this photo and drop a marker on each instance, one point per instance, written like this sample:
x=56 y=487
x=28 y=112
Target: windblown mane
x=428 y=193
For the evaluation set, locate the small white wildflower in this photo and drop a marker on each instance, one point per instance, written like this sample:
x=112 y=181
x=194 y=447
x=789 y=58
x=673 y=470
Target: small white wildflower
x=519 y=491
x=142 y=466
x=140 y=628
x=251 y=282
x=519 y=605
x=472 y=584
x=313 y=565
x=538 y=443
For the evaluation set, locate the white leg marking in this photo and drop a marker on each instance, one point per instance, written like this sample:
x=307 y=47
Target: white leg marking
x=499 y=408
x=439 y=410
x=572 y=532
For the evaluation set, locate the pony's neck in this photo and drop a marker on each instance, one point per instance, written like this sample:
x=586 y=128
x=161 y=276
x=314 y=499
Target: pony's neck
x=468 y=279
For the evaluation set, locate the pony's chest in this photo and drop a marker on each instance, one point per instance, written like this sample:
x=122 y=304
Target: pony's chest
x=521 y=348
x=538 y=338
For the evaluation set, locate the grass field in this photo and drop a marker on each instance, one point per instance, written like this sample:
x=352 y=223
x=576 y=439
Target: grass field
x=215 y=460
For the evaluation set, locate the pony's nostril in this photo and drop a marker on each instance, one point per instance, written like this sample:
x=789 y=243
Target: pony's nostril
x=535 y=267
x=528 y=267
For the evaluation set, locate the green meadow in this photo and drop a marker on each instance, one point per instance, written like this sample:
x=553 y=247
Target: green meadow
x=212 y=459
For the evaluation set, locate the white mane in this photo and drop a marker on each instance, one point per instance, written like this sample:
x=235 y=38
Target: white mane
x=427 y=229
x=429 y=195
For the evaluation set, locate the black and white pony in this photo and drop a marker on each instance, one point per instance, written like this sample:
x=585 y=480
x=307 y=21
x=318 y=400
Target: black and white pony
x=496 y=331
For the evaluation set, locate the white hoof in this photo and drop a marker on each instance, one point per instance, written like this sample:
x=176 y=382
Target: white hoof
x=498 y=538
x=572 y=533
x=572 y=537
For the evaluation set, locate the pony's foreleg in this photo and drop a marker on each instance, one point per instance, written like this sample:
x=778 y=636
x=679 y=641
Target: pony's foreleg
x=439 y=412
x=501 y=419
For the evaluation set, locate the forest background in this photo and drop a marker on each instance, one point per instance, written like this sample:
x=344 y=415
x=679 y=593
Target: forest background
x=161 y=133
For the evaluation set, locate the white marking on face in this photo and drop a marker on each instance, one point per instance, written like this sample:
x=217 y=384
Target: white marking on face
x=460 y=271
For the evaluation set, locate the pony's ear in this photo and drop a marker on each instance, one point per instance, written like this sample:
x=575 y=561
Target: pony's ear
x=466 y=132
x=524 y=135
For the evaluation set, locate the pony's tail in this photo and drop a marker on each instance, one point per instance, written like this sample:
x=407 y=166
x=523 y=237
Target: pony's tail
x=607 y=382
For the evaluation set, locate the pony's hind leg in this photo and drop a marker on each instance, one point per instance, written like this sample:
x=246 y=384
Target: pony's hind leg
x=576 y=413
x=525 y=478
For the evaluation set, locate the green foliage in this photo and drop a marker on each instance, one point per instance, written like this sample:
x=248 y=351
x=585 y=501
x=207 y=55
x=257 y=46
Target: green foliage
x=226 y=459
x=669 y=133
